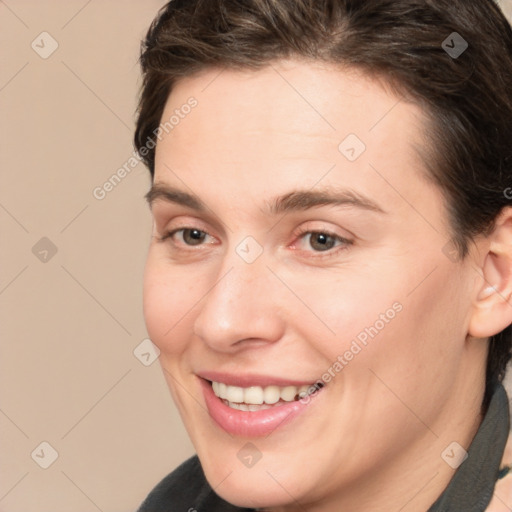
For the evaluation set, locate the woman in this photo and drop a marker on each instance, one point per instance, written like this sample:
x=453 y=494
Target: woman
x=330 y=273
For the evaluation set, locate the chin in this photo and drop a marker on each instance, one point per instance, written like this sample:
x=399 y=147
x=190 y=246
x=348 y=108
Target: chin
x=263 y=493
x=266 y=484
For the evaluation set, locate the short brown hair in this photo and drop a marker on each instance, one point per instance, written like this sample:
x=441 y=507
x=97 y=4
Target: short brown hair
x=467 y=97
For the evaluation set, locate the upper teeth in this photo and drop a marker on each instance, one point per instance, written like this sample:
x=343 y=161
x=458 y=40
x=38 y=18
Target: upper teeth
x=257 y=395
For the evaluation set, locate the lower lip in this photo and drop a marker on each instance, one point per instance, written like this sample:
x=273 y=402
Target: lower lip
x=252 y=423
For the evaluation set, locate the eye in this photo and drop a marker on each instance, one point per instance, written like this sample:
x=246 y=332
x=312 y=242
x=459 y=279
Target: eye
x=189 y=236
x=323 y=241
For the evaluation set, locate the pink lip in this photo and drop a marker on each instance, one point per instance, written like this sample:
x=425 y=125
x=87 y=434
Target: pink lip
x=252 y=424
x=246 y=380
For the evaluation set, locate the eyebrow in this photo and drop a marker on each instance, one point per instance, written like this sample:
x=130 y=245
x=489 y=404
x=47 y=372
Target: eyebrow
x=297 y=200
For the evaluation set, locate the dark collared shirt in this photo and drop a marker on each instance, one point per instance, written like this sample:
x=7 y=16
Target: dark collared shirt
x=470 y=489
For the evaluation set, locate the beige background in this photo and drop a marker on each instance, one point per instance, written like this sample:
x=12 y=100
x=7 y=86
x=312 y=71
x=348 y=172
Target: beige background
x=70 y=321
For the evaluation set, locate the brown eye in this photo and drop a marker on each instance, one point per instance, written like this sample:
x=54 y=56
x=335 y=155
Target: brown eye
x=321 y=241
x=190 y=236
x=193 y=236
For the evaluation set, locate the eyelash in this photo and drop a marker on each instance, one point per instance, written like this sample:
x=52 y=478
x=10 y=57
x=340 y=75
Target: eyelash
x=318 y=254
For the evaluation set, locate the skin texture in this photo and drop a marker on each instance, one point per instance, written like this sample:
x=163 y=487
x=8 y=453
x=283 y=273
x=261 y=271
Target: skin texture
x=373 y=438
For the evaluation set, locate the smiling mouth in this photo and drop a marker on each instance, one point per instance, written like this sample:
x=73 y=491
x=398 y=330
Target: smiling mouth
x=257 y=398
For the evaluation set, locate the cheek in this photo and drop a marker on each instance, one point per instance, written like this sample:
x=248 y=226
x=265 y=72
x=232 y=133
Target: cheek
x=389 y=318
x=167 y=299
x=354 y=308
x=418 y=353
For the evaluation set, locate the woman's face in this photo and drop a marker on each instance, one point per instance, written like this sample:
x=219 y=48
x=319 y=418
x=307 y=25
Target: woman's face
x=306 y=246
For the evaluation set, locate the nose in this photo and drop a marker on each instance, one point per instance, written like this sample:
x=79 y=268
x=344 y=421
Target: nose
x=241 y=308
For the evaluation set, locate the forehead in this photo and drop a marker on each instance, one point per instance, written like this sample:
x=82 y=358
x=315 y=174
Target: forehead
x=289 y=121
x=295 y=99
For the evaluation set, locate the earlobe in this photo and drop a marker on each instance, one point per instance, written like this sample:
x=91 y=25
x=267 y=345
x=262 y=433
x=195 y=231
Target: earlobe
x=492 y=307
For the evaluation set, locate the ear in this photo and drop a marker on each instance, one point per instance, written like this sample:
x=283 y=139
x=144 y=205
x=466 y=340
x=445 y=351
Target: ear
x=492 y=307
